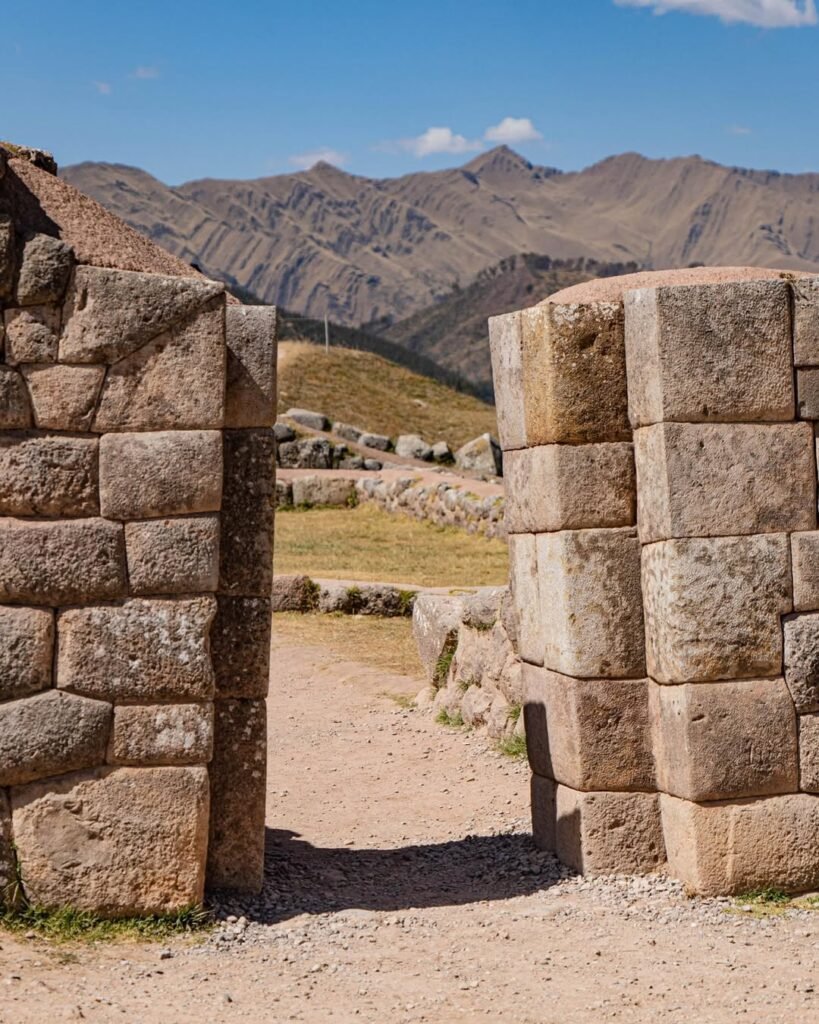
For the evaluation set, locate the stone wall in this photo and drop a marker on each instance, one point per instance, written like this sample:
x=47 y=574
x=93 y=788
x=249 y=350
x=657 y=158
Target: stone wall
x=137 y=472
x=444 y=503
x=661 y=505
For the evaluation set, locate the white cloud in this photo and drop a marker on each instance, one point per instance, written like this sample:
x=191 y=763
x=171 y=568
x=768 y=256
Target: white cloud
x=103 y=88
x=145 y=71
x=440 y=140
x=512 y=130
x=738 y=129
x=762 y=13
x=304 y=161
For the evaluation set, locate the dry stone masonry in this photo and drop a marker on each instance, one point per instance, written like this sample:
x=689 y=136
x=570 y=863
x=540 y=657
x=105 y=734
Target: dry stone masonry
x=661 y=472
x=137 y=476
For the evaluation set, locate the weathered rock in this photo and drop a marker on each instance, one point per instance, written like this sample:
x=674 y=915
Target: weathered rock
x=352 y=462
x=347 y=431
x=148 y=650
x=724 y=848
x=15 y=411
x=240 y=647
x=7 y=262
x=294 y=594
x=306 y=418
x=573 y=387
x=44 y=271
x=710 y=352
x=724 y=479
x=411 y=446
x=716 y=741
x=174 y=382
x=317 y=490
x=32 y=334
x=475 y=706
x=805 y=558
x=49 y=734
x=237 y=780
x=505 y=342
x=805 y=293
x=525 y=585
x=807 y=393
x=308 y=453
x=441 y=452
x=590 y=734
x=114 y=841
x=153 y=475
x=64 y=397
x=284 y=493
x=48 y=476
x=482 y=609
x=589 y=583
x=283 y=433
x=802 y=661
x=26 y=650
x=173 y=556
x=435 y=623
x=153 y=734
x=712 y=607
x=570 y=487
x=380 y=599
x=250 y=399
x=380 y=442
x=481 y=455
x=61 y=563
x=109 y=314
x=248 y=503
x=809 y=753
x=598 y=833
x=373 y=465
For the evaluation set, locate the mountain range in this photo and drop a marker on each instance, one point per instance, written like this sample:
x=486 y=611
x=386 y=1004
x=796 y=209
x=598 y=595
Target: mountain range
x=361 y=249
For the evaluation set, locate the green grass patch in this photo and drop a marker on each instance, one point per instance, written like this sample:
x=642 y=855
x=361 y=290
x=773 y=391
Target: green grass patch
x=401 y=699
x=442 y=665
x=513 y=746
x=452 y=721
x=68 y=925
x=514 y=712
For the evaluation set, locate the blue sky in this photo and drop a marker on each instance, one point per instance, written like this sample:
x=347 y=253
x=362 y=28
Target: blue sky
x=195 y=88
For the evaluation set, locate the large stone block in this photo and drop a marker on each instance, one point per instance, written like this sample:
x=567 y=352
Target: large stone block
x=323 y=490
x=153 y=475
x=598 y=833
x=736 y=847
x=64 y=397
x=251 y=366
x=806 y=321
x=15 y=411
x=525 y=587
x=237 y=786
x=809 y=753
x=574 y=373
x=109 y=314
x=505 y=342
x=152 y=734
x=724 y=479
x=173 y=556
x=569 y=487
x=240 y=646
x=61 y=563
x=44 y=270
x=114 y=841
x=807 y=393
x=148 y=650
x=49 y=734
x=48 y=476
x=248 y=505
x=590 y=734
x=436 y=619
x=805 y=564
x=591 y=605
x=714 y=741
x=32 y=334
x=712 y=607
x=175 y=382
x=26 y=650
x=802 y=661
x=709 y=352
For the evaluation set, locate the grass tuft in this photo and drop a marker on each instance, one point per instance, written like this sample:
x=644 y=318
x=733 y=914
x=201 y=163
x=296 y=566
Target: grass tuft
x=68 y=925
x=513 y=746
x=452 y=721
x=514 y=712
x=442 y=665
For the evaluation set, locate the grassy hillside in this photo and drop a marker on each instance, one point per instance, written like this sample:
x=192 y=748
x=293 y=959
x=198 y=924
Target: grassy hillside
x=372 y=393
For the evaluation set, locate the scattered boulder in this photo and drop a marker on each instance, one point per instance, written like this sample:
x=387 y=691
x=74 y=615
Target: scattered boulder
x=306 y=418
x=380 y=442
x=294 y=594
x=441 y=452
x=348 y=432
x=373 y=465
x=411 y=446
x=308 y=453
x=282 y=432
x=482 y=455
x=351 y=462
x=318 y=490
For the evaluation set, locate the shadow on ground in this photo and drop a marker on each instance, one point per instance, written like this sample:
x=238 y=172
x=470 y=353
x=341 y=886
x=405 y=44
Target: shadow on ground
x=305 y=879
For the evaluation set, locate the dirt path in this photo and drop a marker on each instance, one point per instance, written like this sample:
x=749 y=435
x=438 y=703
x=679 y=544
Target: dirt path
x=401 y=886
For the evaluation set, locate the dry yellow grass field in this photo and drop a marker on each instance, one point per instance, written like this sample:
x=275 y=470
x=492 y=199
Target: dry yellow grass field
x=377 y=395
x=368 y=544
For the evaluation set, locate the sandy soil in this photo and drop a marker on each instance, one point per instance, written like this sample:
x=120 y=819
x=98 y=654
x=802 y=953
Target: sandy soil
x=401 y=886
